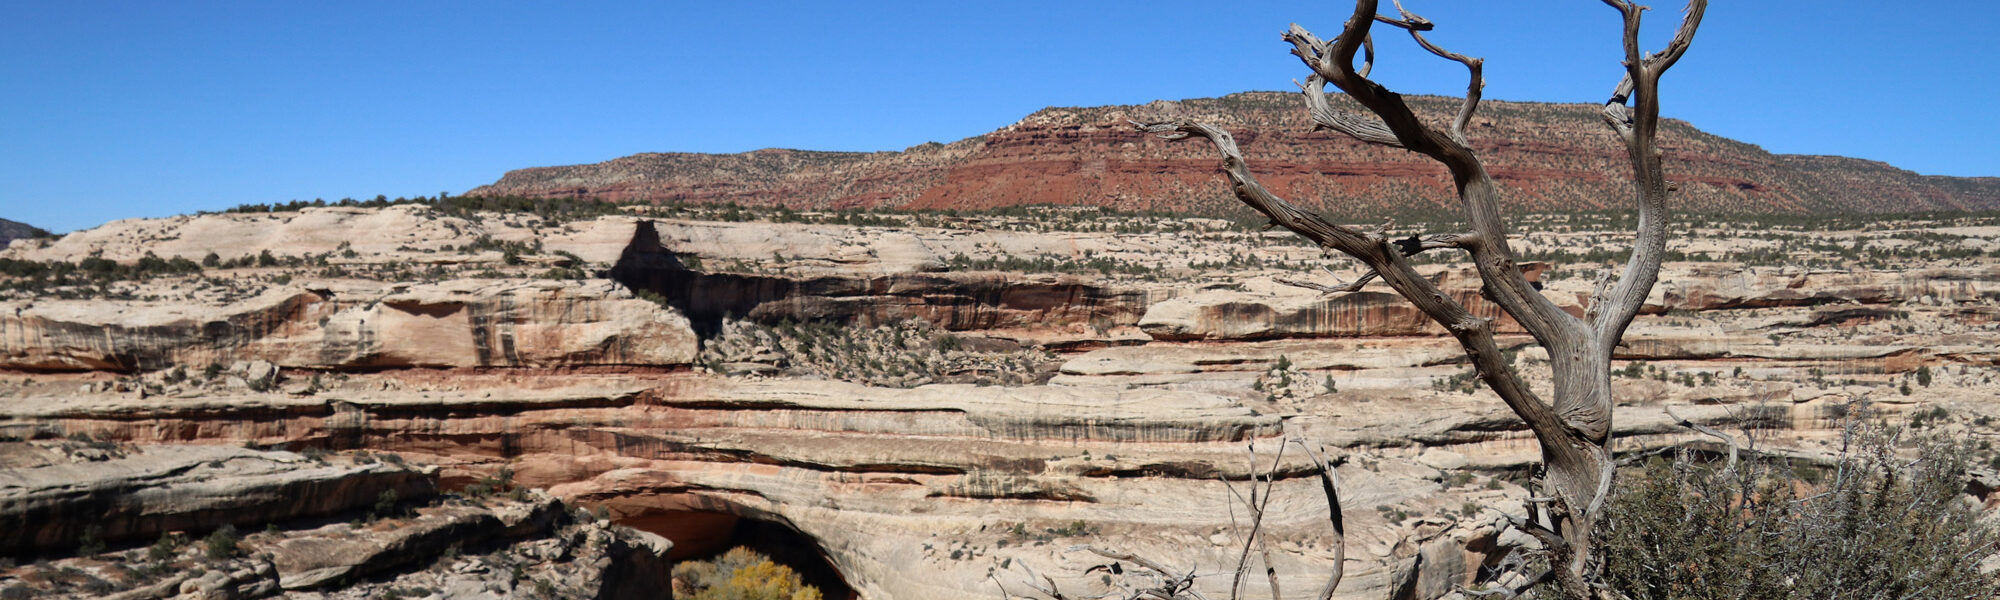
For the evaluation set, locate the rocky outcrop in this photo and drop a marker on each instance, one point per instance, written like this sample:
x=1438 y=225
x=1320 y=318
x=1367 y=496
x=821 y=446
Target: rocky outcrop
x=870 y=475
x=49 y=500
x=328 y=230
x=339 y=553
x=1273 y=311
x=1717 y=287
x=1231 y=315
x=1544 y=156
x=483 y=548
x=957 y=301
x=345 y=325
x=915 y=493
x=16 y=230
x=1176 y=361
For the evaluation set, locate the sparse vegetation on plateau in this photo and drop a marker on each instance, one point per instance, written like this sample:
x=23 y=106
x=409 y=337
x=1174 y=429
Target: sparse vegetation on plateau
x=906 y=354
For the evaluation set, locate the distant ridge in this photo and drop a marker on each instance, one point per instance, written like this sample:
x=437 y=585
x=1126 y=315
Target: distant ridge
x=15 y=230
x=1547 y=157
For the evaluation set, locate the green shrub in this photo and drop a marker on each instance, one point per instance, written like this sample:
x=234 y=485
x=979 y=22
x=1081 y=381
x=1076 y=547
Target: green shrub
x=91 y=542
x=1887 y=520
x=386 y=504
x=170 y=544
x=221 y=544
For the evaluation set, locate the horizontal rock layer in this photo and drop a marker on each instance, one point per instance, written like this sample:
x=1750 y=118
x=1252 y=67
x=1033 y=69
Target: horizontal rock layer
x=918 y=493
x=457 y=324
x=915 y=493
x=482 y=548
x=154 y=489
x=1551 y=157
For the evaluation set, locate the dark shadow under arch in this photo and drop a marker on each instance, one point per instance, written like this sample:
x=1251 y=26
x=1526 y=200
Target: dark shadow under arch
x=699 y=535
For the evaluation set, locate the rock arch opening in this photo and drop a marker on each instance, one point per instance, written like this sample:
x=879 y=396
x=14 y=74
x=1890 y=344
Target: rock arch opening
x=704 y=534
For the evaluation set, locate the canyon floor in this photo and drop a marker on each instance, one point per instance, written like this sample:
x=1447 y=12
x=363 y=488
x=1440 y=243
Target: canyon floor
x=933 y=405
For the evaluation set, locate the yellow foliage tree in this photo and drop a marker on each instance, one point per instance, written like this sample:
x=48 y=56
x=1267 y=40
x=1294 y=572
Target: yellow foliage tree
x=741 y=574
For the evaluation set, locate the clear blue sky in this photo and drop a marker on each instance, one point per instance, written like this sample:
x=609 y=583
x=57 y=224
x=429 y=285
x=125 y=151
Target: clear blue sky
x=111 y=110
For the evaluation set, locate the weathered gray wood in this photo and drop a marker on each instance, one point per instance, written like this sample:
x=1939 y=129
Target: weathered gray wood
x=1574 y=430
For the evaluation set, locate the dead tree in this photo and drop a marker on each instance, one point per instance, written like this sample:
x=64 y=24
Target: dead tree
x=1574 y=426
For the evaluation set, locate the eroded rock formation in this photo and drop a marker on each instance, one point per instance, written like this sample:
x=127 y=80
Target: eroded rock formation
x=1158 y=382
x=49 y=498
x=402 y=541
x=341 y=325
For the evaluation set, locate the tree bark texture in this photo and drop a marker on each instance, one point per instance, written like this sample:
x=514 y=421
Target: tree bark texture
x=1574 y=426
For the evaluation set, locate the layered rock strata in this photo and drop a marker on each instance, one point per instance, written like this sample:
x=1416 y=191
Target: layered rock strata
x=49 y=500
x=345 y=326
x=1162 y=382
x=917 y=493
x=402 y=542
x=1552 y=157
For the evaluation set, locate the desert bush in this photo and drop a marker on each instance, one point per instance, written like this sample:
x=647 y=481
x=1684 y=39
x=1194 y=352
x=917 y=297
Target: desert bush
x=91 y=542
x=387 y=505
x=903 y=355
x=221 y=544
x=1888 y=518
x=167 y=547
x=740 y=574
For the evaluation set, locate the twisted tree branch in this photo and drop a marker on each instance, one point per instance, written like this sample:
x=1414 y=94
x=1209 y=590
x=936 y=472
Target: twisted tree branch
x=1416 y=25
x=1337 y=287
x=1324 y=116
x=1329 y=485
x=1474 y=333
x=1710 y=432
x=1574 y=431
x=1332 y=62
x=1639 y=127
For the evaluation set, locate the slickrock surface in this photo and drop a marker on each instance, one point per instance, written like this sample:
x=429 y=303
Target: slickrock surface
x=414 y=556
x=338 y=552
x=682 y=374
x=401 y=541
x=344 y=325
x=48 y=497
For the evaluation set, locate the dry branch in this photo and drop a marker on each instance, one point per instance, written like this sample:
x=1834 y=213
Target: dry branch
x=1708 y=431
x=1574 y=426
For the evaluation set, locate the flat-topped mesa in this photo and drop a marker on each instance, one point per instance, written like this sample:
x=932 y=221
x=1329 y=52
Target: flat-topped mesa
x=1545 y=157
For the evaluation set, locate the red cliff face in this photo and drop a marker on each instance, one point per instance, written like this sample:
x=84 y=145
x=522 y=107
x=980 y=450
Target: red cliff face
x=1546 y=157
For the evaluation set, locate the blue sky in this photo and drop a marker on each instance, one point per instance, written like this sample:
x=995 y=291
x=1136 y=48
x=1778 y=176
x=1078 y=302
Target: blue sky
x=111 y=110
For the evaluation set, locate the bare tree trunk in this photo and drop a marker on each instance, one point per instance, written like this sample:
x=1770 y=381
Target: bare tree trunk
x=1574 y=430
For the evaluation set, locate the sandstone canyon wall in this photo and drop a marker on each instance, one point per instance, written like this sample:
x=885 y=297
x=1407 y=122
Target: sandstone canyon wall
x=428 y=343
